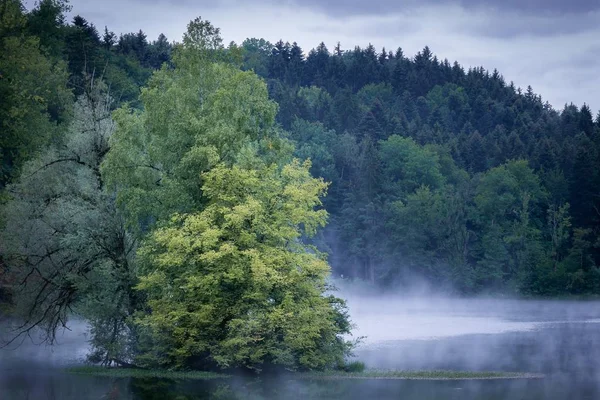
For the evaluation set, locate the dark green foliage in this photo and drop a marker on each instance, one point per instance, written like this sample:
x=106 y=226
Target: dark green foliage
x=354 y=367
x=450 y=203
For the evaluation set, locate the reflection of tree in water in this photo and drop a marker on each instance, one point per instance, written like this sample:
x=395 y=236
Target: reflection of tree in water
x=168 y=389
x=238 y=389
x=151 y=388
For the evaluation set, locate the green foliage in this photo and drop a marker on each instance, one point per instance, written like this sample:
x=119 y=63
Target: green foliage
x=506 y=196
x=256 y=53
x=65 y=242
x=195 y=115
x=33 y=93
x=432 y=171
x=463 y=125
x=199 y=174
x=354 y=367
x=233 y=286
x=315 y=142
x=408 y=166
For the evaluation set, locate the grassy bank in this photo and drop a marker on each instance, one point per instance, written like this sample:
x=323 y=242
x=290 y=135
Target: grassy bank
x=424 y=375
x=367 y=374
x=144 y=373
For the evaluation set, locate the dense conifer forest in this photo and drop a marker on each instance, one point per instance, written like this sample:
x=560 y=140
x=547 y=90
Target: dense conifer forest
x=130 y=164
x=437 y=172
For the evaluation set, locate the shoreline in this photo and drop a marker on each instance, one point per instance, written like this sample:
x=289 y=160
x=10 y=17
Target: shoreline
x=425 y=375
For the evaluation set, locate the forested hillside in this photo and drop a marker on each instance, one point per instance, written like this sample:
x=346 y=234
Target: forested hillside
x=442 y=173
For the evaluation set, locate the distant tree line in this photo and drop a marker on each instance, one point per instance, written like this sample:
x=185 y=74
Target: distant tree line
x=452 y=175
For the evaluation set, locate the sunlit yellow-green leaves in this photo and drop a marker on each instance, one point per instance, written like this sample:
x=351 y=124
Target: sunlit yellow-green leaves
x=234 y=285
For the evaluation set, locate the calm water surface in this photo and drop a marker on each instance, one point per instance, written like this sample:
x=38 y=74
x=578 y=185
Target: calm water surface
x=558 y=339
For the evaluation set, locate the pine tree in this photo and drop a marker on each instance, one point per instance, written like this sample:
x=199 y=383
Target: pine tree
x=369 y=127
x=586 y=121
x=382 y=57
x=295 y=70
x=108 y=39
x=475 y=153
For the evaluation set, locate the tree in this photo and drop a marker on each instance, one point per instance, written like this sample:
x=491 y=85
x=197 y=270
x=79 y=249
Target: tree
x=369 y=127
x=295 y=70
x=316 y=65
x=279 y=59
x=159 y=52
x=33 y=92
x=585 y=184
x=586 y=122
x=507 y=198
x=201 y=166
x=82 y=45
x=256 y=55
x=346 y=110
x=65 y=242
x=407 y=166
x=233 y=286
x=108 y=39
x=560 y=224
x=475 y=153
x=200 y=113
x=47 y=22
x=315 y=143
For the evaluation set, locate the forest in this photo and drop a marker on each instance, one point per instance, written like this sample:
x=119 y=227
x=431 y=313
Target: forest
x=167 y=190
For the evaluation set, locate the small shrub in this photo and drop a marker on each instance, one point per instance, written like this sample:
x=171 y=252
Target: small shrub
x=354 y=367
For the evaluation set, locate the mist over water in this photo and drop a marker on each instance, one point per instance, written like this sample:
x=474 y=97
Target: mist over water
x=560 y=339
x=550 y=337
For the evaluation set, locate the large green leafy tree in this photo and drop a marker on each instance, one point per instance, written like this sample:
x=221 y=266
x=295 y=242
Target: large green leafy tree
x=234 y=286
x=199 y=174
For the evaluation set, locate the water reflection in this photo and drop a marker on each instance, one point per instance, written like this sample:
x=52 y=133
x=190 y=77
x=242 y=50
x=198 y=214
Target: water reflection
x=152 y=389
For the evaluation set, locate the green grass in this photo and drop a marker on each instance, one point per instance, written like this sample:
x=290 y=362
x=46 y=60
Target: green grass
x=144 y=373
x=425 y=375
x=366 y=374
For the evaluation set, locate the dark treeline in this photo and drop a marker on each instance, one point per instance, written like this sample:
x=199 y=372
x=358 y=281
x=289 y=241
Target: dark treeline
x=451 y=175
x=44 y=64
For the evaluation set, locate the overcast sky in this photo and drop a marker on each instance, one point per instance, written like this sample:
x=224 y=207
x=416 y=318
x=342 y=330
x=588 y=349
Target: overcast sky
x=552 y=45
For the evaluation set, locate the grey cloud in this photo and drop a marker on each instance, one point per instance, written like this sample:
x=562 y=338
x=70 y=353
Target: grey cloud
x=503 y=18
x=381 y=7
x=342 y=8
x=508 y=25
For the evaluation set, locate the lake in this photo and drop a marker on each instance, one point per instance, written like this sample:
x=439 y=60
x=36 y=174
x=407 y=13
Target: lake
x=559 y=339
